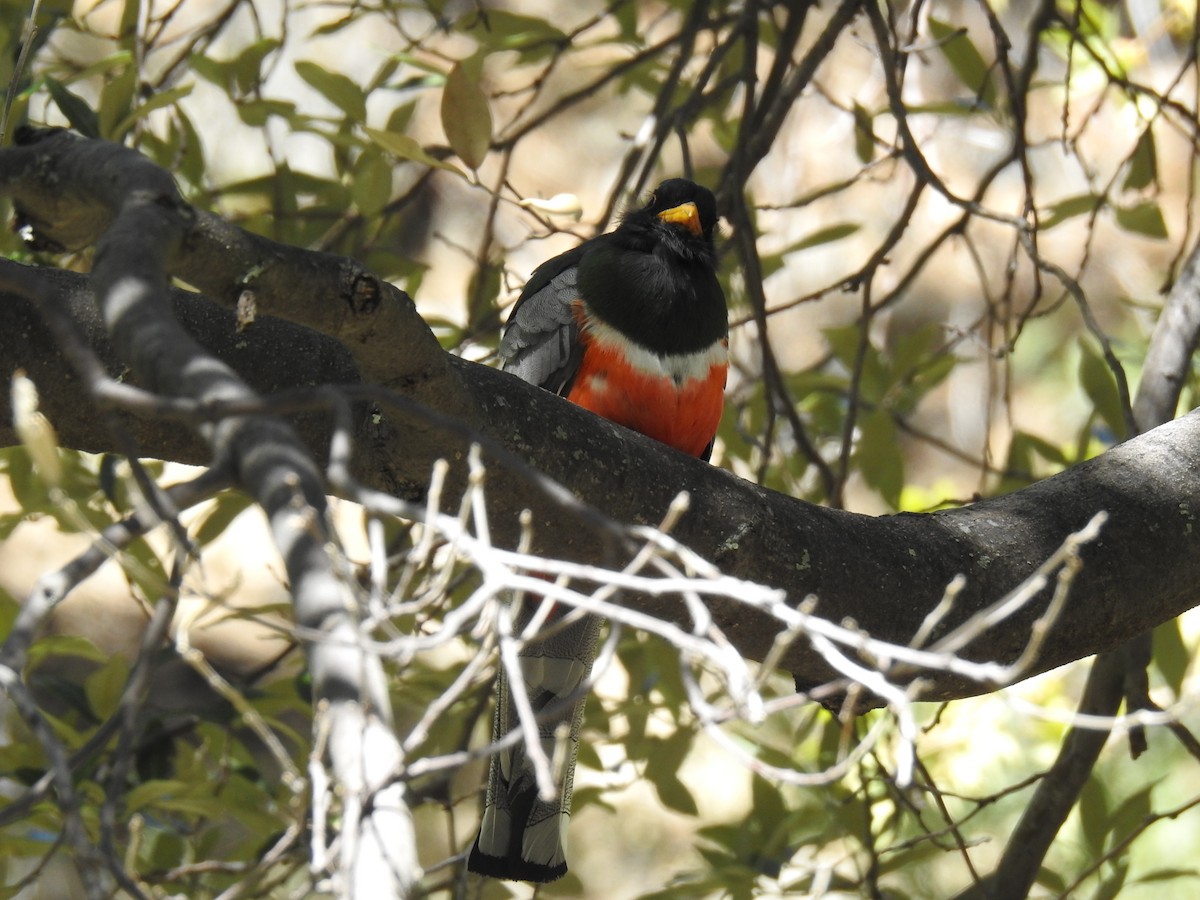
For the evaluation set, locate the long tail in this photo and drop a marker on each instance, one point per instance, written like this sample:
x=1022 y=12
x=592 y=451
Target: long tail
x=523 y=838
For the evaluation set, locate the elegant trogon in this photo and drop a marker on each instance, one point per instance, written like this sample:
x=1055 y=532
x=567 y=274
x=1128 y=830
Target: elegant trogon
x=631 y=325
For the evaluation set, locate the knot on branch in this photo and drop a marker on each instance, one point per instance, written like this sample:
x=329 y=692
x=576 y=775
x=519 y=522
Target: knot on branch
x=365 y=293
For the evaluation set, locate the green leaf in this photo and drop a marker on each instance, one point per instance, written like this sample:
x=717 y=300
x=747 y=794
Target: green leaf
x=255 y=113
x=1166 y=875
x=1171 y=655
x=499 y=30
x=404 y=147
x=143 y=568
x=400 y=117
x=483 y=292
x=1144 y=218
x=247 y=67
x=227 y=507
x=1046 y=450
x=913 y=350
x=626 y=15
x=371 y=182
x=466 y=117
x=130 y=14
x=56 y=645
x=964 y=58
x=336 y=88
x=116 y=102
x=157 y=101
x=675 y=795
x=29 y=490
x=1133 y=811
x=844 y=342
x=216 y=71
x=151 y=792
x=663 y=761
x=1143 y=164
x=767 y=802
x=1110 y=888
x=1048 y=878
x=1093 y=815
x=864 y=134
x=825 y=235
x=9 y=608
x=879 y=457
x=162 y=849
x=1101 y=388
x=81 y=116
x=1080 y=205
x=104 y=687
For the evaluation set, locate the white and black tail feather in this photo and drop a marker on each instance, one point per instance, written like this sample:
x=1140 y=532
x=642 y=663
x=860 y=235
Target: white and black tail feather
x=523 y=837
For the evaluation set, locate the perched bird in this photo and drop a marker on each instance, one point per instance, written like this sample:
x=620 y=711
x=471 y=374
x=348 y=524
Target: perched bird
x=631 y=325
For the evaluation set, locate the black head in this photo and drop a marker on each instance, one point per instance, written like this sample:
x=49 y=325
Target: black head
x=654 y=278
x=681 y=202
x=680 y=218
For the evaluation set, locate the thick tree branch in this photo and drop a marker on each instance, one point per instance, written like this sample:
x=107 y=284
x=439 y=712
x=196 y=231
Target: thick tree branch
x=61 y=188
x=1118 y=674
x=884 y=572
x=1168 y=359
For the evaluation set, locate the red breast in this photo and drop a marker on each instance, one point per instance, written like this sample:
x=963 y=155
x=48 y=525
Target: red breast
x=673 y=398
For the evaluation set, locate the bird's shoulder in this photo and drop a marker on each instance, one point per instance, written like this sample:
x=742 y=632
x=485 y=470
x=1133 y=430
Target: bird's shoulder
x=540 y=342
x=546 y=274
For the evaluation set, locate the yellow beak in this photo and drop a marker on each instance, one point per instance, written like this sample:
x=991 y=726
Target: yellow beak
x=686 y=215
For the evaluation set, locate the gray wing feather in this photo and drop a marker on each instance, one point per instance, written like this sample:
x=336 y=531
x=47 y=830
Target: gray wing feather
x=540 y=344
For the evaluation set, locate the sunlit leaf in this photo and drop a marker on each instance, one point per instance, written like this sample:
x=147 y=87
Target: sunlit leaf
x=1057 y=213
x=1167 y=874
x=1144 y=218
x=1100 y=385
x=1143 y=164
x=256 y=112
x=404 y=147
x=400 y=117
x=81 y=116
x=1094 y=815
x=466 y=117
x=483 y=291
x=217 y=71
x=336 y=88
x=163 y=849
x=878 y=456
x=116 y=102
x=1171 y=654
x=247 y=67
x=845 y=342
x=371 y=182
x=964 y=58
x=131 y=12
x=30 y=491
x=64 y=645
x=159 y=100
x=221 y=513
x=105 y=686
x=1110 y=887
x=663 y=763
x=143 y=567
x=864 y=134
x=532 y=36
x=151 y=792
x=826 y=235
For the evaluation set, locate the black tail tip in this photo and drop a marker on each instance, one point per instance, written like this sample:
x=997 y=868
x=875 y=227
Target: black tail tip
x=513 y=868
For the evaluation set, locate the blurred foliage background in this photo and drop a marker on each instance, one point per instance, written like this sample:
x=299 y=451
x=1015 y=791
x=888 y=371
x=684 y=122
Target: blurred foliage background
x=901 y=342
